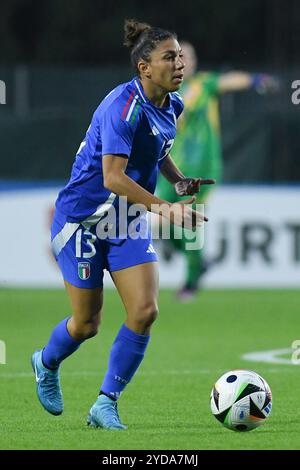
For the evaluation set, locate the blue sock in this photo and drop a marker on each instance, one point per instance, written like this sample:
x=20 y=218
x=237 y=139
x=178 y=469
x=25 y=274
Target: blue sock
x=125 y=357
x=60 y=345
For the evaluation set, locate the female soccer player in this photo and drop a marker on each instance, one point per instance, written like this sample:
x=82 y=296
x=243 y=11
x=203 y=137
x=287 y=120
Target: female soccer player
x=129 y=139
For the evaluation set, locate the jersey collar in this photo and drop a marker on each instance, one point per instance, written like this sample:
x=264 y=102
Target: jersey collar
x=141 y=93
x=140 y=90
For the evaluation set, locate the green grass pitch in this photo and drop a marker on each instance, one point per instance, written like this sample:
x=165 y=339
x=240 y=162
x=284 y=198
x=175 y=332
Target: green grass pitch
x=166 y=406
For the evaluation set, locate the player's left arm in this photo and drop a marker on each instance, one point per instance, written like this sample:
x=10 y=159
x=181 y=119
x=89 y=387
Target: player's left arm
x=184 y=186
x=170 y=170
x=236 y=81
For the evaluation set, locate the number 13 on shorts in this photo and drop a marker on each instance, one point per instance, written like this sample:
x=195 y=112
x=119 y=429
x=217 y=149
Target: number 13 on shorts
x=85 y=244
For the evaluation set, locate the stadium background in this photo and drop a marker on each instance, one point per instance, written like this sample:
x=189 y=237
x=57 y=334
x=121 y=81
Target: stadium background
x=58 y=59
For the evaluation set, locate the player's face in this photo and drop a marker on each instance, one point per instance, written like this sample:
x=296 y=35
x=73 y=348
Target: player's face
x=190 y=59
x=166 y=66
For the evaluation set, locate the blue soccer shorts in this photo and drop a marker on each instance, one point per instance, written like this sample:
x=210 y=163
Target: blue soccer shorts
x=82 y=256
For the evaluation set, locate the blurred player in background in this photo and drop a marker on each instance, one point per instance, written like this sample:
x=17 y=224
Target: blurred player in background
x=197 y=150
x=128 y=141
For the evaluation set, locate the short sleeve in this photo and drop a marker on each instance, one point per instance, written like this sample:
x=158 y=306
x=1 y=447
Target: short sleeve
x=116 y=134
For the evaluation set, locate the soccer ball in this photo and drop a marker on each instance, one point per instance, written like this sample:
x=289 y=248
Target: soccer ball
x=241 y=400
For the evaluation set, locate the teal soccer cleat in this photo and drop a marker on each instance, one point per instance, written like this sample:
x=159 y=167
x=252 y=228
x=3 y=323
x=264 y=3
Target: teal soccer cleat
x=104 y=414
x=47 y=385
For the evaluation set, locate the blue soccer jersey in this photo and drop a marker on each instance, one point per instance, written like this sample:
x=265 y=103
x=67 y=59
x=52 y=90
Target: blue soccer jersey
x=125 y=123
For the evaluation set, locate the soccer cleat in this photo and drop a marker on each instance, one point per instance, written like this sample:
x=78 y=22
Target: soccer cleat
x=189 y=291
x=47 y=385
x=167 y=250
x=104 y=414
x=186 y=294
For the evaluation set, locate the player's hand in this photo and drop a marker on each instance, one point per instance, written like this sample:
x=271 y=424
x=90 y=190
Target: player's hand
x=190 y=186
x=265 y=83
x=183 y=215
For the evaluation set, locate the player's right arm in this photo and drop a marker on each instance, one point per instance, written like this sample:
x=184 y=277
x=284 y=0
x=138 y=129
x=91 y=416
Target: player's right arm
x=116 y=180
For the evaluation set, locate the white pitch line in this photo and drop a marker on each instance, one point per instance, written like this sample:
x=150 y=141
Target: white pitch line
x=12 y=375
x=100 y=373
x=271 y=356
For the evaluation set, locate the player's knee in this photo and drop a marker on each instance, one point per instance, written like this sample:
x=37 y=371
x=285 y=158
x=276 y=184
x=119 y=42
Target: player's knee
x=89 y=330
x=147 y=314
x=86 y=329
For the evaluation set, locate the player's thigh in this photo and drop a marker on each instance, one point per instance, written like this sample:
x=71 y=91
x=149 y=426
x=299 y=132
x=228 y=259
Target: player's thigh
x=138 y=288
x=86 y=303
x=133 y=267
